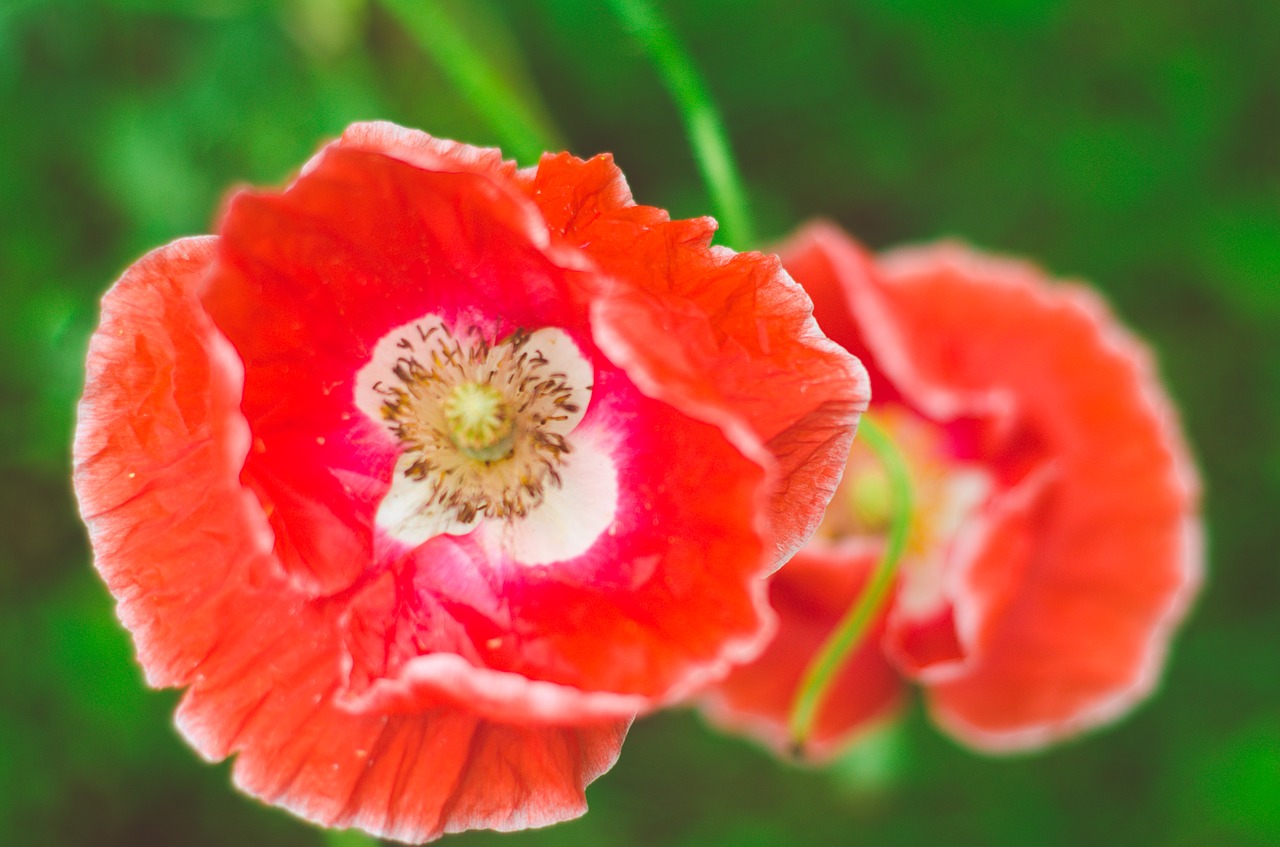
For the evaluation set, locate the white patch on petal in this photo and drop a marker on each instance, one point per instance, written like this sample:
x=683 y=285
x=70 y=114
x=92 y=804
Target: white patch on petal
x=563 y=356
x=396 y=347
x=440 y=486
x=571 y=517
x=405 y=516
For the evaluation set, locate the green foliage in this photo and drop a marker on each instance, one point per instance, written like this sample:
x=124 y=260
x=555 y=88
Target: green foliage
x=1132 y=144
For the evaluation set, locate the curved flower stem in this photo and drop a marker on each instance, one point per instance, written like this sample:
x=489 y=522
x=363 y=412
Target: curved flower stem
x=701 y=118
x=519 y=130
x=851 y=629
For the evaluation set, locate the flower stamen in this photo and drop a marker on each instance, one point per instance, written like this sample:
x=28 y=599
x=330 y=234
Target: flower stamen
x=481 y=422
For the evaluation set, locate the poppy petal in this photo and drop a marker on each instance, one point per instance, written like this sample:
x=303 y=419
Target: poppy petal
x=597 y=623
x=158 y=434
x=1057 y=598
x=421 y=150
x=981 y=570
x=345 y=240
x=1116 y=554
x=464 y=244
x=273 y=699
x=741 y=348
x=415 y=515
x=187 y=554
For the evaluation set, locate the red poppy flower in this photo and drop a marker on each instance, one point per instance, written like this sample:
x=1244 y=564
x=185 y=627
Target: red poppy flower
x=1055 y=543
x=425 y=474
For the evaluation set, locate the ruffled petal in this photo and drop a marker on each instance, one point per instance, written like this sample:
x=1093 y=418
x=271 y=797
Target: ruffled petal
x=271 y=695
x=422 y=150
x=983 y=563
x=600 y=625
x=740 y=347
x=158 y=439
x=305 y=285
x=1115 y=555
x=574 y=195
x=376 y=239
x=1062 y=593
x=185 y=550
x=821 y=258
x=810 y=595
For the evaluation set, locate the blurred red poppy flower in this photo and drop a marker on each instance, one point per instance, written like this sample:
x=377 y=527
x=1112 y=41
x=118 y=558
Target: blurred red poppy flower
x=425 y=474
x=1055 y=542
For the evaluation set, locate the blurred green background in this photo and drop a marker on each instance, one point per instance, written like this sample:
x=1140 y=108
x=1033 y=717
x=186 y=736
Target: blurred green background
x=1134 y=143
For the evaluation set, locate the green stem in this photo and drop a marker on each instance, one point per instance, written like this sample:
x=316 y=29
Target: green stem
x=701 y=118
x=852 y=628
x=349 y=838
x=519 y=131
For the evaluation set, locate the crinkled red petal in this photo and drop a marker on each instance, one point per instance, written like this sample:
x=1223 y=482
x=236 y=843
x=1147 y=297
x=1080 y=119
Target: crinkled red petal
x=923 y=647
x=810 y=595
x=845 y=283
x=184 y=549
x=739 y=344
x=1065 y=592
x=574 y=195
x=308 y=281
x=820 y=257
x=156 y=425
x=270 y=693
x=306 y=284
x=1115 y=555
x=663 y=601
x=422 y=150
x=986 y=567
